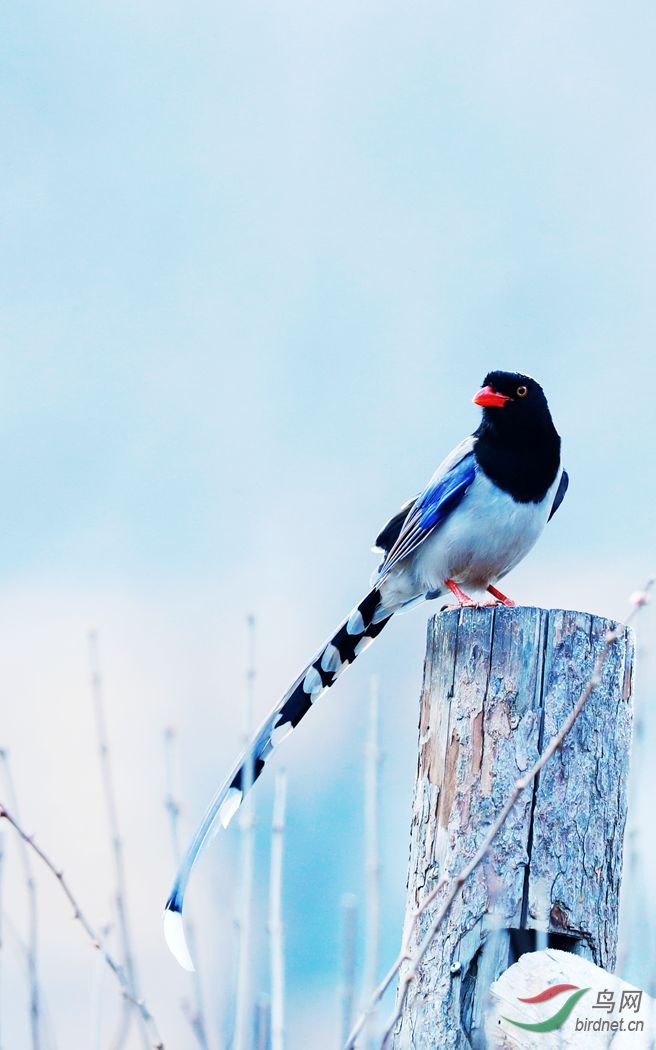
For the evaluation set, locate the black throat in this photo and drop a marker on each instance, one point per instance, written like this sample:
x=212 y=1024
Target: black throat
x=522 y=461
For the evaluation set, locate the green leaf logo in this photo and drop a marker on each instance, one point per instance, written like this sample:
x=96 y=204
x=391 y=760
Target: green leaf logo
x=560 y=1016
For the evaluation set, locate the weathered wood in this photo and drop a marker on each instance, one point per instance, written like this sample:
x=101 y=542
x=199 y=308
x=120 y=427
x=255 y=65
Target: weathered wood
x=587 y=1025
x=497 y=684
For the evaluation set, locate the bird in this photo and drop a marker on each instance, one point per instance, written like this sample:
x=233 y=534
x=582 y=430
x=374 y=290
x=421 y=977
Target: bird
x=482 y=511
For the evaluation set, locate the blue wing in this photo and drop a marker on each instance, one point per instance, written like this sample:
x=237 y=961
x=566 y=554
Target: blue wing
x=560 y=493
x=444 y=492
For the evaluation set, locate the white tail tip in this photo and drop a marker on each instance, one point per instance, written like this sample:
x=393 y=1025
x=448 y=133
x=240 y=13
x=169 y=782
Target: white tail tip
x=229 y=806
x=175 y=938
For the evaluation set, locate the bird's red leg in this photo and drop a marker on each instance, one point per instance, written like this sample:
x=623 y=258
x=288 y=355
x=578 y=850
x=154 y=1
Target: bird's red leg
x=501 y=597
x=463 y=599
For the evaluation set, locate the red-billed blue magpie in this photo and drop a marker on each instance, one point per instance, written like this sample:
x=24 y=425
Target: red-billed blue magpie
x=479 y=515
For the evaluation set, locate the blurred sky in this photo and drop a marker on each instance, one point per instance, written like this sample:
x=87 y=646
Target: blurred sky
x=255 y=260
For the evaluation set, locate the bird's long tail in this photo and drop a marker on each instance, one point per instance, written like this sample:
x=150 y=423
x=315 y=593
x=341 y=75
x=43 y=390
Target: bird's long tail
x=353 y=636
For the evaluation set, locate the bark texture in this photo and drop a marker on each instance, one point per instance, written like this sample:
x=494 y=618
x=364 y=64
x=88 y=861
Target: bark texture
x=498 y=683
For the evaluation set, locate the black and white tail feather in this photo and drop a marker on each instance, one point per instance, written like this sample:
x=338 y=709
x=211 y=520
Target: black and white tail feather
x=353 y=636
x=480 y=514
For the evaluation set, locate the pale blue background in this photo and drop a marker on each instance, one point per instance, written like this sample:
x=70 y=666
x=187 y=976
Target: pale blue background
x=255 y=260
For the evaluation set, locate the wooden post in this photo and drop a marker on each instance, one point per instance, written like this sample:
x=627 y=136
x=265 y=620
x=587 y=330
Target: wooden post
x=498 y=683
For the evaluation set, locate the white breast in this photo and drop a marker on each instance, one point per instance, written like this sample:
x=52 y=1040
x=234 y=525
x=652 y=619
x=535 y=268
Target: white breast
x=484 y=538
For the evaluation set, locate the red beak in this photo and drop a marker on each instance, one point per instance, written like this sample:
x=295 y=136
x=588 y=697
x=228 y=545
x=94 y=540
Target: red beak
x=488 y=398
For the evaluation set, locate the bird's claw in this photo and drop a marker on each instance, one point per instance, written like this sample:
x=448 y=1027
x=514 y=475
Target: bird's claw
x=465 y=602
x=497 y=603
x=502 y=599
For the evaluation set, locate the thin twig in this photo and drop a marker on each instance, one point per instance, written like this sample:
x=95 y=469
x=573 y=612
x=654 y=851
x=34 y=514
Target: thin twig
x=195 y=1015
x=33 y=918
x=403 y=955
x=349 y=908
x=2 y=872
x=171 y=803
x=455 y=884
x=145 y=1014
x=262 y=1025
x=97 y=997
x=372 y=913
x=243 y=1006
x=115 y=840
x=195 y=1022
x=15 y=939
x=276 y=930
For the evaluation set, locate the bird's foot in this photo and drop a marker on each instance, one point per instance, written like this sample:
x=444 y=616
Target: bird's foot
x=464 y=601
x=502 y=599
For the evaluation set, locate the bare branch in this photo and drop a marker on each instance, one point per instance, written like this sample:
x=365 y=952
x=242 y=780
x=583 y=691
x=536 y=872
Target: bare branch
x=97 y=998
x=33 y=918
x=2 y=873
x=12 y=938
x=372 y=912
x=276 y=929
x=115 y=840
x=455 y=883
x=196 y=1023
x=349 y=907
x=243 y=1006
x=262 y=1025
x=148 y=1020
x=196 y=1014
x=171 y=803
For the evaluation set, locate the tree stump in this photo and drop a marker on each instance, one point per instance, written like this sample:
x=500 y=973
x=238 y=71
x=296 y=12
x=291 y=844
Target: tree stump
x=498 y=683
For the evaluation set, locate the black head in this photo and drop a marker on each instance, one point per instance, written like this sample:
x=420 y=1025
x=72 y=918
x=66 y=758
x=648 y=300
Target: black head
x=512 y=401
x=518 y=446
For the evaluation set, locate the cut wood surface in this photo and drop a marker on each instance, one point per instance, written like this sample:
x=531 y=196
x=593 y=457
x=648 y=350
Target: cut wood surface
x=498 y=683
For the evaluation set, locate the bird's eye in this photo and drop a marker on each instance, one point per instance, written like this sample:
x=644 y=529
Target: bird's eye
x=522 y=391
